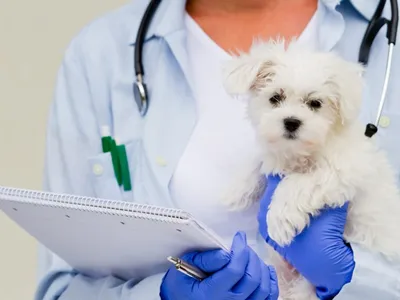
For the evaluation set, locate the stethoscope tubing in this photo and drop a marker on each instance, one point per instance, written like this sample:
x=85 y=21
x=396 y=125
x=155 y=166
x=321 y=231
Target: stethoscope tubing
x=385 y=83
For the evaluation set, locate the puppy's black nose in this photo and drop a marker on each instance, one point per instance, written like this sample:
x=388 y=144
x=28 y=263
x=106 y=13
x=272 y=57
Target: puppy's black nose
x=291 y=124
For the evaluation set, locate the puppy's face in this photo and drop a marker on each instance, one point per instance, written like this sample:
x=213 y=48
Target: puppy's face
x=296 y=111
x=297 y=98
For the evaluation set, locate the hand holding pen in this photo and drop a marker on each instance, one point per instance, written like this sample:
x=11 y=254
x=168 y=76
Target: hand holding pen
x=240 y=275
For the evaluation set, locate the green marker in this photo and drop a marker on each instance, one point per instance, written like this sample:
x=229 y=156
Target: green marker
x=115 y=162
x=124 y=167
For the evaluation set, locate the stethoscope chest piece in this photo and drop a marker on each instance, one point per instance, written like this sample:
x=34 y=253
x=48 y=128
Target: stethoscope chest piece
x=141 y=96
x=140 y=91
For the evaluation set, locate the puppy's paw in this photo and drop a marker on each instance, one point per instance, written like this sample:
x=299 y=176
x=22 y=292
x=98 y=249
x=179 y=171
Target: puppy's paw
x=279 y=228
x=285 y=219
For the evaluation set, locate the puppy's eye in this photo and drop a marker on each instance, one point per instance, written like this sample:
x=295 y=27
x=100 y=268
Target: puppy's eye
x=314 y=104
x=275 y=99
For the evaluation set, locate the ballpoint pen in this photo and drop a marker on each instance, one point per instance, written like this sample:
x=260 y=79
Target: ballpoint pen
x=187 y=269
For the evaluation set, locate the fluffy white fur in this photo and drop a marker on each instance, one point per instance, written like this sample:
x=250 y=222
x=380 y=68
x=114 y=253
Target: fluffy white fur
x=327 y=161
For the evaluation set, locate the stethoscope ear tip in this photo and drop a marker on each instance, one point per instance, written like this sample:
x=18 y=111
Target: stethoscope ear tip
x=370 y=130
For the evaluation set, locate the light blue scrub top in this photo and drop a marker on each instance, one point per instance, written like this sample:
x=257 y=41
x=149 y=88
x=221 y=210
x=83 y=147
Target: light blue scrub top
x=94 y=88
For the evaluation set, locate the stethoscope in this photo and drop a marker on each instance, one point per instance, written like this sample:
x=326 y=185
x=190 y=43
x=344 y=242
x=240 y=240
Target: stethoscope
x=374 y=26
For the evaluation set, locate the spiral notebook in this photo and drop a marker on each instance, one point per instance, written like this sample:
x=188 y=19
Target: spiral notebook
x=100 y=237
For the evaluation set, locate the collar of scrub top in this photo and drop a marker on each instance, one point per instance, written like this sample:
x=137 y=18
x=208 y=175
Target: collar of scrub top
x=368 y=8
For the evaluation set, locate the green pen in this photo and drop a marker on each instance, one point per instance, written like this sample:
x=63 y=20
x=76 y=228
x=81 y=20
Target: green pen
x=124 y=167
x=109 y=145
x=115 y=160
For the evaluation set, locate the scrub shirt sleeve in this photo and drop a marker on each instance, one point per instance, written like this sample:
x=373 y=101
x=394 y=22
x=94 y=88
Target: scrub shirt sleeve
x=374 y=278
x=73 y=135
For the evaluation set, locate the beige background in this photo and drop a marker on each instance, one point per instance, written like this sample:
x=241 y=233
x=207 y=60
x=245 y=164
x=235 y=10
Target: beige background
x=33 y=36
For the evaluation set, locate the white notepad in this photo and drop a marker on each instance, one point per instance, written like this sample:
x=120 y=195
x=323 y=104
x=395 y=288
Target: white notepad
x=101 y=237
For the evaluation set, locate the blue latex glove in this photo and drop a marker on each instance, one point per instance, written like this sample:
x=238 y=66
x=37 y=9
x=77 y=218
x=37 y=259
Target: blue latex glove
x=319 y=252
x=239 y=275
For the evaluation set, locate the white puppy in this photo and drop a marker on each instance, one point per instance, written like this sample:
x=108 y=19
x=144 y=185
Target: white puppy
x=304 y=106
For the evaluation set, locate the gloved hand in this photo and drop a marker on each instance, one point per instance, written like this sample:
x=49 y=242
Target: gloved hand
x=239 y=275
x=319 y=252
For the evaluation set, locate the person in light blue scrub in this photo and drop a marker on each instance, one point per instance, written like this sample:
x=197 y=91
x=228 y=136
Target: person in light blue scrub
x=193 y=137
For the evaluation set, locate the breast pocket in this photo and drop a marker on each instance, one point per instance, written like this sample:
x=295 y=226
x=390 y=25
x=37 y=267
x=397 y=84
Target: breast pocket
x=104 y=177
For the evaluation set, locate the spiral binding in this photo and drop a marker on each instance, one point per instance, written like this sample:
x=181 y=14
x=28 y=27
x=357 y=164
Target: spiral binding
x=96 y=205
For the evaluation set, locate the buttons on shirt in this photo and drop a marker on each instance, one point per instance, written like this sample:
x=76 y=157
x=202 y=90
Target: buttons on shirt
x=98 y=169
x=161 y=161
x=384 y=121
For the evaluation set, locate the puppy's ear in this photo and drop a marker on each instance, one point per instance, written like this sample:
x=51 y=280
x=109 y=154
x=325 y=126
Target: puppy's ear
x=245 y=74
x=348 y=85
